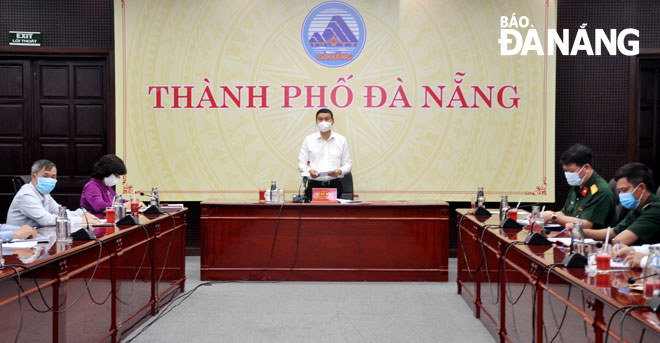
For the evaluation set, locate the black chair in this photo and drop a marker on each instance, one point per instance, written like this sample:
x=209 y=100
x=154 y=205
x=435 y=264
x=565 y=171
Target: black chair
x=347 y=187
x=20 y=180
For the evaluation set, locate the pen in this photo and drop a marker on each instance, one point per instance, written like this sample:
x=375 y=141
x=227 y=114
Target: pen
x=618 y=245
x=562 y=231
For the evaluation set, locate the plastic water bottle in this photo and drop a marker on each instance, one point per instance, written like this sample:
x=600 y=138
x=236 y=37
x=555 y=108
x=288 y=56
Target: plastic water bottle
x=504 y=207
x=652 y=282
x=2 y=260
x=481 y=198
x=63 y=227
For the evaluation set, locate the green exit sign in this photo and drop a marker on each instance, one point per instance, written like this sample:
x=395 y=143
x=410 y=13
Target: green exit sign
x=24 y=38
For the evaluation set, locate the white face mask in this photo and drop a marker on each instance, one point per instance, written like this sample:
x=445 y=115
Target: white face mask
x=110 y=180
x=324 y=126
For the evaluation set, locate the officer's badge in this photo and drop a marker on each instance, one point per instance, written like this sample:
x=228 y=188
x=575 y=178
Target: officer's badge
x=594 y=189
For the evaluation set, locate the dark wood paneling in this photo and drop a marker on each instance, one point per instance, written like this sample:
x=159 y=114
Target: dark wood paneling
x=89 y=121
x=11 y=119
x=54 y=121
x=89 y=82
x=11 y=155
x=84 y=164
x=11 y=81
x=54 y=81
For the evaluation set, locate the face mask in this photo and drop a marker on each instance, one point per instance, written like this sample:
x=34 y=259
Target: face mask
x=628 y=200
x=574 y=179
x=324 y=126
x=110 y=180
x=45 y=185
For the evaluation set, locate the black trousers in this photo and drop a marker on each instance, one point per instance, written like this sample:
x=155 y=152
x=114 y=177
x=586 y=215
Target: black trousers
x=311 y=184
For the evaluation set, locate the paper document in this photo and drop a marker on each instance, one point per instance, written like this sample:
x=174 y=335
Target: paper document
x=348 y=201
x=325 y=173
x=19 y=245
x=619 y=265
x=40 y=239
x=567 y=240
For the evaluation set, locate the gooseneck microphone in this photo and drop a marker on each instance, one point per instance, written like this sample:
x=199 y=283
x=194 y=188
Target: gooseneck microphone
x=303 y=185
x=632 y=280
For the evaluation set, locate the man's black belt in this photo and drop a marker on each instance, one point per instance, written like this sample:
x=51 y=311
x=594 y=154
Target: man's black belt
x=322 y=183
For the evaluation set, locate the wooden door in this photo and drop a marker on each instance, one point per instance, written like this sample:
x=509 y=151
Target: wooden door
x=54 y=108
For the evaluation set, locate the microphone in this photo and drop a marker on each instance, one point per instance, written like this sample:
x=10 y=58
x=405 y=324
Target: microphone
x=84 y=234
x=632 y=280
x=303 y=184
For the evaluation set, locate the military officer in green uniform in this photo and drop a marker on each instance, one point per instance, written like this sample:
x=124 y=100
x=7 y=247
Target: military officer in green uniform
x=634 y=181
x=590 y=199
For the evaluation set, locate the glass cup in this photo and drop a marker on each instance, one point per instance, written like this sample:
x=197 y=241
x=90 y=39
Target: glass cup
x=110 y=217
x=513 y=213
x=603 y=262
x=262 y=195
x=135 y=206
x=592 y=253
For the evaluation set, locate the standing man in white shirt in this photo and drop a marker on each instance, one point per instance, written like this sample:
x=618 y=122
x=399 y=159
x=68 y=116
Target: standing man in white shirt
x=34 y=206
x=324 y=152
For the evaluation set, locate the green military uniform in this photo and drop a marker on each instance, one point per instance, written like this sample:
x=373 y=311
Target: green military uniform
x=594 y=202
x=644 y=221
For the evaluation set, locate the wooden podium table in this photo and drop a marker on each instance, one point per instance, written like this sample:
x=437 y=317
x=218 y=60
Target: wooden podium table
x=376 y=241
x=140 y=269
x=521 y=296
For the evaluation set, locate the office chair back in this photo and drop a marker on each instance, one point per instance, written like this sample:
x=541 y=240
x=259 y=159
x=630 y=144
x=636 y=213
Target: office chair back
x=347 y=187
x=18 y=182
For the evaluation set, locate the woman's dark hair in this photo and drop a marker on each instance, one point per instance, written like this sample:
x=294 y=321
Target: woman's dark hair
x=108 y=164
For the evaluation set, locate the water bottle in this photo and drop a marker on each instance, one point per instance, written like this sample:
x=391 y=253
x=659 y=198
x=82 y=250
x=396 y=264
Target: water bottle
x=536 y=213
x=2 y=260
x=155 y=200
x=577 y=237
x=504 y=207
x=481 y=198
x=652 y=282
x=63 y=228
x=273 y=191
x=118 y=205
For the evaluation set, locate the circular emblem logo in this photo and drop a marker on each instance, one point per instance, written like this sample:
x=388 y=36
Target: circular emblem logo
x=333 y=34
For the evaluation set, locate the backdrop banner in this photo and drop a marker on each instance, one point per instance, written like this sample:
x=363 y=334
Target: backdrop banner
x=214 y=98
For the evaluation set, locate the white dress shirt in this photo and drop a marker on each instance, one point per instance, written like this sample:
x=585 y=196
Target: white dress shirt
x=32 y=208
x=644 y=249
x=325 y=155
x=7 y=232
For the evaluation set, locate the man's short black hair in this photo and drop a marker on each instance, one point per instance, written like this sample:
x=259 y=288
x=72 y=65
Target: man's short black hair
x=108 y=164
x=324 y=110
x=578 y=154
x=636 y=173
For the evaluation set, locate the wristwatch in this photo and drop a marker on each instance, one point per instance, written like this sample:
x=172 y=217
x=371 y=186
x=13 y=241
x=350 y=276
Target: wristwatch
x=554 y=216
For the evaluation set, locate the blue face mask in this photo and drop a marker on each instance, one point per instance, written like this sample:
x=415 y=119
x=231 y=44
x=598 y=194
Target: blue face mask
x=573 y=178
x=45 y=185
x=628 y=200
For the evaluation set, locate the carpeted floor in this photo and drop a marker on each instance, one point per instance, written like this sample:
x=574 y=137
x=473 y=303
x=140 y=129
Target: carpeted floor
x=317 y=312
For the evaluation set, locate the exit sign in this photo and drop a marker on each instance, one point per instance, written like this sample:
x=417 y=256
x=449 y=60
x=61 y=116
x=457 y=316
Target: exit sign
x=24 y=38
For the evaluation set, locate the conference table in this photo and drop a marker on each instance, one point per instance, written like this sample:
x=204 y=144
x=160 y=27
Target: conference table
x=93 y=291
x=370 y=241
x=520 y=295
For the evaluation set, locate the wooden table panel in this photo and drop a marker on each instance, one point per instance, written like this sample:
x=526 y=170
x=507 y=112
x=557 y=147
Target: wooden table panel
x=63 y=270
x=396 y=241
x=571 y=305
